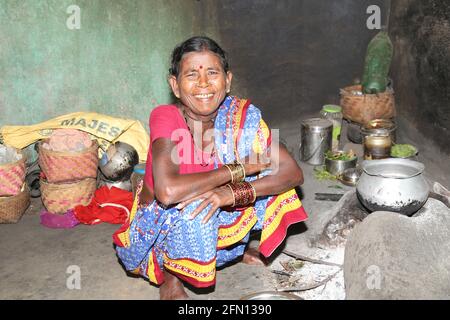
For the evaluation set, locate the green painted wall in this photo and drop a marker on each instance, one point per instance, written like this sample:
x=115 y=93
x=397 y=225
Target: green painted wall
x=116 y=63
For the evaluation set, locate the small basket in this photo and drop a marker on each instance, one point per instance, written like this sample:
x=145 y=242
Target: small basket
x=60 y=197
x=69 y=166
x=12 y=208
x=12 y=176
x=362 y=108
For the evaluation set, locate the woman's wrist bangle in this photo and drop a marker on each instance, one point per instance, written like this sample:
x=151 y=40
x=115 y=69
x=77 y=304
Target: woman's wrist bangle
x=241 y=171
x=243 y=193
x=231 y=172
x=237 y=171
x=254 y=192
x=232 y=193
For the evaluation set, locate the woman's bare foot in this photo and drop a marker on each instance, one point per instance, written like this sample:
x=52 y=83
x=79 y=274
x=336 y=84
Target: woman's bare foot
x=172 y=288
x=253 y=257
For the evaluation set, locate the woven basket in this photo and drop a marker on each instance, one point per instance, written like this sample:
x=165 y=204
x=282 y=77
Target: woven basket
x=12 y=208
x=69 y=166
x=60 y=197
x=12 y=177
x=366 y=107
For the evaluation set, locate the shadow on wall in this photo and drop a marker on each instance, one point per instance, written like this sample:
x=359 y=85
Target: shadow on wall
x=291 y=57
x=420 y=31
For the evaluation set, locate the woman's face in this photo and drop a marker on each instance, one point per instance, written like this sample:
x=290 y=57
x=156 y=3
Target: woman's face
x=202 y=83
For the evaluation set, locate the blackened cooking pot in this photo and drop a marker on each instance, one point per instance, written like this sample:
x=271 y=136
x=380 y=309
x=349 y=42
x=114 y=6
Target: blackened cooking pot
x=396 y=185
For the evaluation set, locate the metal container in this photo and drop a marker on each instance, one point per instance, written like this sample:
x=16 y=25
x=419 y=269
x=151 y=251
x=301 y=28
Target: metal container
x=271 y=295
x=354 y=132
x=334 y=114
x=380 y=126
x=315 y=140
x=396 y=185
x=350 y=176
x=377 y=145
x=337 y=167
x=124 y=185
x=118 y=161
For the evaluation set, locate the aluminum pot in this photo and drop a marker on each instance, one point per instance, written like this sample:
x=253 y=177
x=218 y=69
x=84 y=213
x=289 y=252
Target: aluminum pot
x=118 y=161
x=396 y=185
x=103 y=181
x=315 y=140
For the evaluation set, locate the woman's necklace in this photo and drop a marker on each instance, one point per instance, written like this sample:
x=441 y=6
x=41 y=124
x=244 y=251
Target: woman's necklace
x=213 y=151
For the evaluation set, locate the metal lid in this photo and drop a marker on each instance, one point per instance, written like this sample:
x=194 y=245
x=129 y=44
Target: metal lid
x=380 y=132
x=380 y=124
x=317 y=124
x=331 y=108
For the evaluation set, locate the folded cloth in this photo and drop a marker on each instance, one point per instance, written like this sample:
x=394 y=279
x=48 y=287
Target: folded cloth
x=65 y=221
x=68 y=140
x=108 y=205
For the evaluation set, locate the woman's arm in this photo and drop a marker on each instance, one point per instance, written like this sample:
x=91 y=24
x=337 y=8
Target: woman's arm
x=170 y=187
x=289 y=175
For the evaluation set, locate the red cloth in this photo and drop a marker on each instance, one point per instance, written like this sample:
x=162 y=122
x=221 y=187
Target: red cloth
x=166 y=121
x=100 y=211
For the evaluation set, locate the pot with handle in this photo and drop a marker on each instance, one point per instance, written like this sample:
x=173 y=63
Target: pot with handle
x=315 y=140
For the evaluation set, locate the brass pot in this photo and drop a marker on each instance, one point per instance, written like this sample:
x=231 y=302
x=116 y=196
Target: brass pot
x=380 y=126
x=377 y=146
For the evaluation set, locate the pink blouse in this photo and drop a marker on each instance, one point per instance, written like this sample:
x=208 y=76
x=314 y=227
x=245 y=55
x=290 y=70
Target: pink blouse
x=166 y=121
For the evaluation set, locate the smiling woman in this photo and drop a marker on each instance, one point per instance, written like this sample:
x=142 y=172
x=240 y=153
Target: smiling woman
x=202 y=83
x=212 y=177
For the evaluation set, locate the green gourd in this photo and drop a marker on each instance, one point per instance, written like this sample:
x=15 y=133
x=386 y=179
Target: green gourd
x=377 y=64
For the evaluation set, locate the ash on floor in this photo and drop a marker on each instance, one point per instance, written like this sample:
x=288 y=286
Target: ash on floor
x=312 y=280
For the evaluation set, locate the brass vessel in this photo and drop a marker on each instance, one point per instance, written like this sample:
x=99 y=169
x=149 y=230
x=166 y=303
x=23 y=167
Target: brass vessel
x=377 y=146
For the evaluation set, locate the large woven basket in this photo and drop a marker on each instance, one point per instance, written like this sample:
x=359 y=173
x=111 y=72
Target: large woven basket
x=60 y=197
x=362 y=108
x=69 y=166
x=12 y=176
x=12 y=208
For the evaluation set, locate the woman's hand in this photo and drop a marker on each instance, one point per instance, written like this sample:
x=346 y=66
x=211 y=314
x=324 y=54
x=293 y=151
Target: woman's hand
x=255 y=162
x=217 y=198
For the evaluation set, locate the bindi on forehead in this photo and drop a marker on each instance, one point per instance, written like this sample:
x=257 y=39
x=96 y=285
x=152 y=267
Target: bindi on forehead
x=215 y=65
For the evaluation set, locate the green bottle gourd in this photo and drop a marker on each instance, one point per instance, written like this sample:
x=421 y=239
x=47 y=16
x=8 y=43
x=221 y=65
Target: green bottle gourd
x=377 y=64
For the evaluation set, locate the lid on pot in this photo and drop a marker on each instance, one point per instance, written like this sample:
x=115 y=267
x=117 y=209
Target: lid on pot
x=317 y=124
x=378 y=124
x=331 y=108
